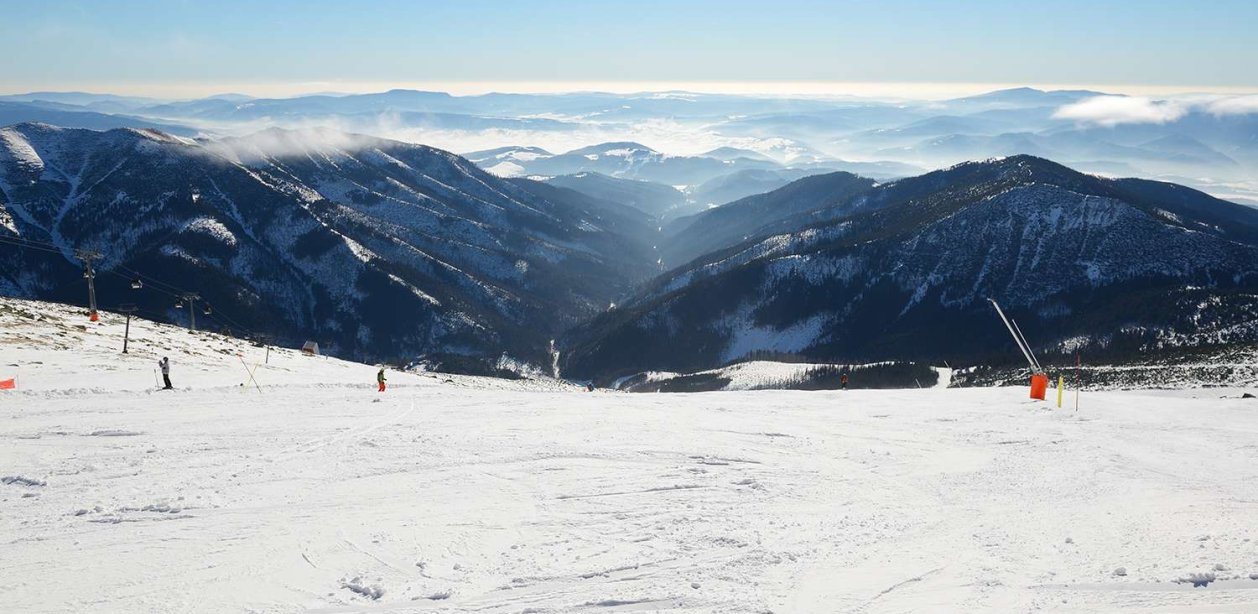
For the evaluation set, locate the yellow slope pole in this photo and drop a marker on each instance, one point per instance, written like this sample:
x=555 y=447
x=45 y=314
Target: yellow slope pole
x=1060 y=390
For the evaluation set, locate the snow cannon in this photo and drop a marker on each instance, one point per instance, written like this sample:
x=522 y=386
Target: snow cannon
x=1039 y=379
x=1039 y=386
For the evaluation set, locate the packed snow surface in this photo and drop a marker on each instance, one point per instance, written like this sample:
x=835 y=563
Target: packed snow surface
x=456 y=494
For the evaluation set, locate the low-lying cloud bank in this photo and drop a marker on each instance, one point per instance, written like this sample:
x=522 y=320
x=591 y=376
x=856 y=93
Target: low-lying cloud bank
x=1114 y=110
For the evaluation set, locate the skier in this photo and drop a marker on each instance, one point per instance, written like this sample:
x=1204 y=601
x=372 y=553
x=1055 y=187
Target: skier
x=843 y=381
x=380 y=379
x=164 y=363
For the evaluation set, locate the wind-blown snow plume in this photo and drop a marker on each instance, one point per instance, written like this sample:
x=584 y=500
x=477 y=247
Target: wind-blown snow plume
x=287 y=143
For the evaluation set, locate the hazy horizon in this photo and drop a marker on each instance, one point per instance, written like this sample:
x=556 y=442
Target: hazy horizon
x=895 y=48
x=877 y=90
x=877 y=85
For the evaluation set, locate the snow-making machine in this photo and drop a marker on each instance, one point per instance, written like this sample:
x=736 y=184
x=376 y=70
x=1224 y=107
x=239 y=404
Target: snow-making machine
x=1039 y=379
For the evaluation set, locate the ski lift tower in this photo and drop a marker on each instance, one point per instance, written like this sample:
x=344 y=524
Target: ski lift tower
x=88 y=256
x=190 y=299
x=127 y=308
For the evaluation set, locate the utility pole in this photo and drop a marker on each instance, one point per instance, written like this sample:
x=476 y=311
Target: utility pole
x=88 y=256
x=126 y=332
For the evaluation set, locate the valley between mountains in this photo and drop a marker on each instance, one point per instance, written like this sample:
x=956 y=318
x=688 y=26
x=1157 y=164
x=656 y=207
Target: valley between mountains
x=386 y=251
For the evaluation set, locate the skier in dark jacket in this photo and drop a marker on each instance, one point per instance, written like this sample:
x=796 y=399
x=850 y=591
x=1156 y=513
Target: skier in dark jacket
x=164 y=363
x=380 y=379
x=843 y=381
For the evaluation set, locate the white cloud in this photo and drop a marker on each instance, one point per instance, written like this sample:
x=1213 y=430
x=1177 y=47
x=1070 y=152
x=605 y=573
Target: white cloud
x=325 y=132
x=1115 y=110
x=1236 y=105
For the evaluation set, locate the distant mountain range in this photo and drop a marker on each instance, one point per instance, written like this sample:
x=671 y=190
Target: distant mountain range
x=74 y=117
x=1209 y=145
x=664 y=186
x=625 y=160
x=654 y=199
x=903 y=270
x=634 y=259
x=740 y=184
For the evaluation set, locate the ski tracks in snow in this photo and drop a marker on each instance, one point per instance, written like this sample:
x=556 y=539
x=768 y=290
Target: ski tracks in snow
x=504 y=501
x=319 y=442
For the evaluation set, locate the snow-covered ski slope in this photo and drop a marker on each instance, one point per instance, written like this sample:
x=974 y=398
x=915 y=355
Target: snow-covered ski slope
x=489 y=496
x=758 y=375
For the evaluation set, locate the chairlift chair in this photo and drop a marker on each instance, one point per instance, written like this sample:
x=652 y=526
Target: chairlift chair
x=136 y=284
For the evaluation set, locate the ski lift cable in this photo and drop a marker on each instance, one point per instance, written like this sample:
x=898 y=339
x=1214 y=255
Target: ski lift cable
x=157 y=317
x=36 y=242
x=231 y=324
x=150 y=286
x=151 y=280
x=179 y=294
x=222 y=318
x=136 y=280
x=154 y=282
x=52 y=248
x=19 y=242
x=133 y=277
x=180 y=297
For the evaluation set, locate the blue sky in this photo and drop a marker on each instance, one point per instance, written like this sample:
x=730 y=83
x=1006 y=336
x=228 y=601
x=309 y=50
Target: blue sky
x=270 y=47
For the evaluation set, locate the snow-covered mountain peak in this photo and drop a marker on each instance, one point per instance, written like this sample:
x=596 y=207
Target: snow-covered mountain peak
x=302 y=232
x=873 y=273
x=16 y=149
x=614 y=146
